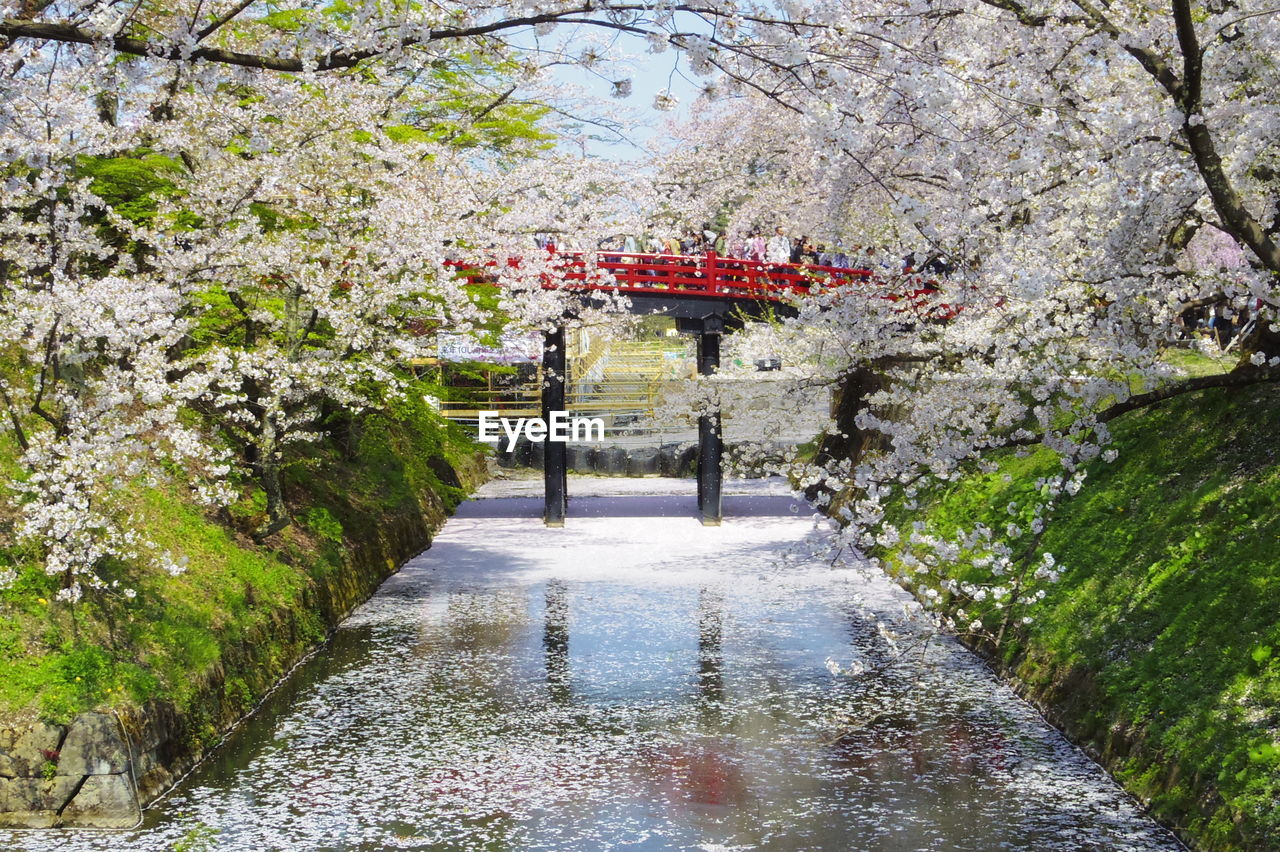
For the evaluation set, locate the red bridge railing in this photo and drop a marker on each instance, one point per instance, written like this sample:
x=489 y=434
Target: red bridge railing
x=713 y=276
x=687 y=275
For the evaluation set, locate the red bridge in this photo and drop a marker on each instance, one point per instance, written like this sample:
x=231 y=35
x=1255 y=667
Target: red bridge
x=704 y=293
x=685 y=276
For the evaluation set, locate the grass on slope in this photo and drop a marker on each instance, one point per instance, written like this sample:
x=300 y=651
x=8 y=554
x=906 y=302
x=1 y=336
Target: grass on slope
x=1165 y=622
x=57 y=659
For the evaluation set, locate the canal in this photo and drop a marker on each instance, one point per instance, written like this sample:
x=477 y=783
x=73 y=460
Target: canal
x=637 y=681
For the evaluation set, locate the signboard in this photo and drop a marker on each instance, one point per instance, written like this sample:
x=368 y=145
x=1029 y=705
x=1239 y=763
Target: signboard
x=513 y=348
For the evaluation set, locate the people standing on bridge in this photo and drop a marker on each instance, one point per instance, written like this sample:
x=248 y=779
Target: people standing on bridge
x=736 y=246
x=651 y=245
x=757 y=248
x=778 y=249
x=808 y=251
x=839 y=258
x=709 y=237
x=855 y=256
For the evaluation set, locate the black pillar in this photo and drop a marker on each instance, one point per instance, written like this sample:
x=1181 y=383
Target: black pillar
x=710 y=441
x=555 y=471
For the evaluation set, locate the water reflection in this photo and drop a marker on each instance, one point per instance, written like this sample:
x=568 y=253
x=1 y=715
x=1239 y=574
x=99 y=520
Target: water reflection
x=710 y=653
x=555 y=639
x=525 y=689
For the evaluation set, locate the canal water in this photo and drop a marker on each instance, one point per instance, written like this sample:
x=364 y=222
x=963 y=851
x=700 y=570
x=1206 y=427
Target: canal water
x=636 y=681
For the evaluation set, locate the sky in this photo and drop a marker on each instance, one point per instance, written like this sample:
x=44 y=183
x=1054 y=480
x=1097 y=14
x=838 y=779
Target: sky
x=649 y=74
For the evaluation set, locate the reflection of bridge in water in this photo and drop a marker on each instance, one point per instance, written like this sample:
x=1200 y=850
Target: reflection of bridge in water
x=706 y=295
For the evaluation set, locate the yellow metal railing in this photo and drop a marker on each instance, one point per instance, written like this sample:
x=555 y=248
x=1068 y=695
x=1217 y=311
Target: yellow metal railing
x=633 y=378
x=641 y=398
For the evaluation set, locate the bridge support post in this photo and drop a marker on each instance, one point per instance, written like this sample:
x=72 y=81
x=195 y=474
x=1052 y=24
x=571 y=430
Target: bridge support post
x=555 y=470
x=710 y=440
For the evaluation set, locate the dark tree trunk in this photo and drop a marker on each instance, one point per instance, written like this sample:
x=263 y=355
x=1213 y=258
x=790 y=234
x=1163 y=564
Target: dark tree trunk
x=843 y=450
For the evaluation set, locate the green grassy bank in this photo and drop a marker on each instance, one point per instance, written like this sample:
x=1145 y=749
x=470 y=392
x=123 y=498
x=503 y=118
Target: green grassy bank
x=204 y=646
x=1159 y=646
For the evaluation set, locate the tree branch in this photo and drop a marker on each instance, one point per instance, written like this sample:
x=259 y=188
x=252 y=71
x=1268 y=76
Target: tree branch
x=1237 y=378
x=1226 y=200
x=222 y=21
x=1187 y=93
x=19 y=435
x=67 y=33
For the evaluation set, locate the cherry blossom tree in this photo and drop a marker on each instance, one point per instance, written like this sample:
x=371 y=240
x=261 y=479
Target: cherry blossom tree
x=1056 y=159
x=280 y=251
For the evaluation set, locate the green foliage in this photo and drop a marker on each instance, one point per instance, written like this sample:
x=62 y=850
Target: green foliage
x=201 y=838
x=131 y=184
x=469 y=103
x=1168 y=608
x=322 y=522
x=57 y=659
x=287 y=20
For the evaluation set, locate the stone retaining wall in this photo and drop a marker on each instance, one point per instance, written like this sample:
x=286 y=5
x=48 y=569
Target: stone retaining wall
x=77 y=774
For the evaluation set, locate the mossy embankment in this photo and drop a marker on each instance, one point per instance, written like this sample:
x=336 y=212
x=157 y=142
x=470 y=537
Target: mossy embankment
x=1159 y=646
x=187 y=655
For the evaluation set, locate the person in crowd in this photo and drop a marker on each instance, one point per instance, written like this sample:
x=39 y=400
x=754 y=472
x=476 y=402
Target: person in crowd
x=709 y=236
x=808 y=251
x=609 y=248
x=737 y=246
x=839 y=259
x=757 y=248
x=650 y=244
x=778 y=249
x=1190 y=321
x=1221 y=326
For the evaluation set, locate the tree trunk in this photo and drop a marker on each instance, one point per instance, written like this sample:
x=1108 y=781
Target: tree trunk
x=268 y=465
x=843 y=450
